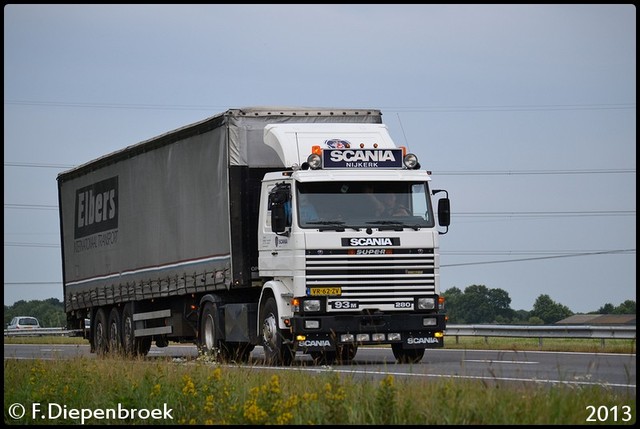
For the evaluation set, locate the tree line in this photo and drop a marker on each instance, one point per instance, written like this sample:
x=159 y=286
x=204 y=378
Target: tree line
x=480 y=304
x=477 y=304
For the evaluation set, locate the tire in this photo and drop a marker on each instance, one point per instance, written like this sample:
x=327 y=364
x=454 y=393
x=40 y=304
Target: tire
x=132 y=346
x=100 y=333
x=276 y=350
x=114 y=334
x=406 y=355
x=210 y=331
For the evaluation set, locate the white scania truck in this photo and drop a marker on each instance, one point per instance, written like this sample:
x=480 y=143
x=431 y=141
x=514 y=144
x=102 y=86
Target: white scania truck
x=257 y=226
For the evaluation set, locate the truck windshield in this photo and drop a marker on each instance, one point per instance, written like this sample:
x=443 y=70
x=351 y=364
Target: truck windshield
x=364 y=204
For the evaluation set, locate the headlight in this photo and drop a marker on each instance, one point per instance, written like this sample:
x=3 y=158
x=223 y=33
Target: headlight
x=311 y=305
x=410 y=161
x=314 y=161
x=426 y=303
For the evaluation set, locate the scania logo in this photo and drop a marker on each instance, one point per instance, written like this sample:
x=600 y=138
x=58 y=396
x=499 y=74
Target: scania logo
x=370 y=241
x=315 y=343
x=362 y=155
x=424 y=340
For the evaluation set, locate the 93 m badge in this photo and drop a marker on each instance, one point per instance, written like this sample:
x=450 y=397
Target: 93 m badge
x=344 y=305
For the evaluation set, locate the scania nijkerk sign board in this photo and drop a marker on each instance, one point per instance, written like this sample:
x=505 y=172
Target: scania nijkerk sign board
x=361 y=158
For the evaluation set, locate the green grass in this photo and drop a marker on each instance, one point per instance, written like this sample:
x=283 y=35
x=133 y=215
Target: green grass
x=201 y=392
x=587 y=345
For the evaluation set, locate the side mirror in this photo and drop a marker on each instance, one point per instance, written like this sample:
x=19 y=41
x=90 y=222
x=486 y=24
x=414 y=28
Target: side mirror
x=444 y=212
x=280 y=206
x=278 y=218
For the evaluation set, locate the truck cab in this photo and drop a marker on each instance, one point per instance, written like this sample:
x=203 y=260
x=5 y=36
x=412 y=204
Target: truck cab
x=348 y=246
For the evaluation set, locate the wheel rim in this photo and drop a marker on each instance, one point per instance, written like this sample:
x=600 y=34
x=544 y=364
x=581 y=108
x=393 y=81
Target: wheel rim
x=113 y=335
x=269 y=330
x=99 y=336
x=209 y=327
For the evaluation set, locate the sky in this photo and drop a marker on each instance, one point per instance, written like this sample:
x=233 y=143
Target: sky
x=525 y=114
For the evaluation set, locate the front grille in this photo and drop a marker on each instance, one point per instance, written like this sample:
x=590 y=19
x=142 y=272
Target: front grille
x=386 y=281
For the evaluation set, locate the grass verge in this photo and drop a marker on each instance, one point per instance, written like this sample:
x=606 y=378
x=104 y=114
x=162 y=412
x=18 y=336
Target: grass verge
x=116 y=391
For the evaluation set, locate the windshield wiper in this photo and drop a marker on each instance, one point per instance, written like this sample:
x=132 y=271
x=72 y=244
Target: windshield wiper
x=393 y=225
x=328 y=225
x=331 y=225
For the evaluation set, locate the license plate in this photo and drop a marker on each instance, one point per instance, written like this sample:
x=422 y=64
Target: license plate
x=325 y=291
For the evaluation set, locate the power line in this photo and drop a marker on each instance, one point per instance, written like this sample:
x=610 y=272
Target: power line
x=547 y=213
x=512 y=108
x=413 y=109
x=520 y=252
x=534 y=172
x=31 y=283
x=606 y=252
x=37 y=165
x=31 y=206
x=16 y=244
x=112 y=105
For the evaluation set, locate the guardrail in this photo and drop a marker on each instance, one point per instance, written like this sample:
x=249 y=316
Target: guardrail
x=40 y=332
x=603 y=332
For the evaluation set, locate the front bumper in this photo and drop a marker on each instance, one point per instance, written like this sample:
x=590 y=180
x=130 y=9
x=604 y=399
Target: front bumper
x=413 y=331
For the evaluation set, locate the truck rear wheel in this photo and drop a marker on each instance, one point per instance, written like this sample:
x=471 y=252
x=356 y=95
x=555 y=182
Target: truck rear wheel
x=276 y=350
x=210 y=330
x=100 y=330
x=115 y=331
x=406 y=355
x=131 y=345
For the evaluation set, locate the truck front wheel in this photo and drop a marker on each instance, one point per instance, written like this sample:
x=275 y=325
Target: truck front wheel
x=277 y=351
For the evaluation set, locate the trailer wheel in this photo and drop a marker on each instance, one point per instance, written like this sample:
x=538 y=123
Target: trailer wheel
x=115 y=331
x=276 y=350
x=131 y=345
x=406 y=355
x=100 y=330
x=210 y=330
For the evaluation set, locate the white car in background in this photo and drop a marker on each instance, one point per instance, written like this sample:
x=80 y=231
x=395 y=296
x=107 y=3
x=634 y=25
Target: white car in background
x=23 y=323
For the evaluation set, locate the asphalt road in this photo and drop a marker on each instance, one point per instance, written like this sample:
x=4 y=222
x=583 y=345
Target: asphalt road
x=615 y=371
